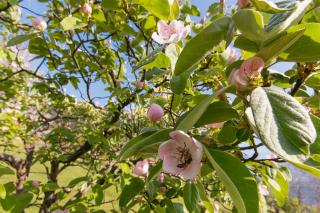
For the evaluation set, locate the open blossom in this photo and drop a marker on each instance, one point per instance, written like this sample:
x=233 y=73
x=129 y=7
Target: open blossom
x=243 y=3
x=87 y=9
x=250 y=69
x=39 y=24
x=171 y=33
x=141 y=168
x=155 y=113
x=181 y=155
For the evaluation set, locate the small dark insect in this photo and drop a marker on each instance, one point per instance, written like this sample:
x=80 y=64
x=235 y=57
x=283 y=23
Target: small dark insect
x=185 y=157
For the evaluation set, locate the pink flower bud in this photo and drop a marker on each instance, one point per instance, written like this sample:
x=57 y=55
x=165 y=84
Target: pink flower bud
x=39 y=24
x=87 y=9
x=203 y=20
x=161 y=177
x=243 y=3
x=141 y=168
x=162 y=189
x=263 y=189
x=140 y=84
x=155 y=113
x=35 y=183
x=118 y=83
x=215 y=125
x=250 y=69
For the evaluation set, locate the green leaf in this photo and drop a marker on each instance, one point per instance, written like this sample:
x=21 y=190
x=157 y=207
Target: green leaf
x=217 y=112
x=196 y=49
x=154 y=172
x=71 y=23
x=191 y=196
x=161 y=8
x=2 y=191
x=282 y=122
x=20 y=38
x=205 y=200
x=38 y=46
x=315 y=147
x=110 y=4
x=22 y=201
x=228 y=134
x=238 y=181
x=280 y=187
x=135 y=186
x=273 y=50
x=250 y=23
x=268 y=6
x=148 y=59
x=281 y=22
x=306 y=48
x=195 y=114
x=144 y=141
x=161 y=61
x=4 y=170
x=313 y=81
x=243 y=43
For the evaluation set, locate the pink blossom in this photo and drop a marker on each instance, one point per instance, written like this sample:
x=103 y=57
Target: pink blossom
x=181 y=155
x=141 y=168
x=155 y=113
x=39 y=24
x=171 y=33
x=263 y=189
x=87 y=9
x=243 y=3
x=250 y=69
x=215 y=125
x=161 y=177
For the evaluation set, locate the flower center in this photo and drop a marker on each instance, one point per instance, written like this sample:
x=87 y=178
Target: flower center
x=185 y=157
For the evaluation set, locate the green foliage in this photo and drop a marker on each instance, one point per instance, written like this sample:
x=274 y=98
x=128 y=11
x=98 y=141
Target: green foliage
x=74 y=101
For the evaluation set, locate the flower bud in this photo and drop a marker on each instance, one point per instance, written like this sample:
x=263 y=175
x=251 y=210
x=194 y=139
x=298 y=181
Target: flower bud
x=162 y=189
x=161 y=177
x=263 y=189
x=155 y=113
x=243 y=3
x=118 y=83
x=35 y=183
x=141 y=168
x=39 y=24
x=203 y=20
x=215 y=125
x=87 y=9
x=140 y=84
